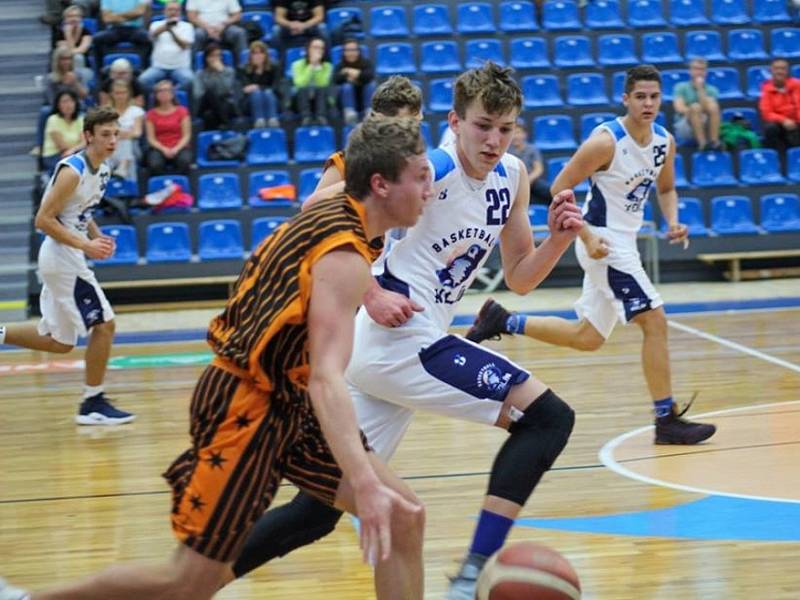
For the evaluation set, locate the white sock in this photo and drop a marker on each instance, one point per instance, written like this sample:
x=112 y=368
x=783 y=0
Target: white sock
x=91 y=390
x=2 y=334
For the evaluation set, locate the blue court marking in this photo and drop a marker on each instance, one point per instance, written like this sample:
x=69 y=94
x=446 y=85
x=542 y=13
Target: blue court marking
x=712 y=518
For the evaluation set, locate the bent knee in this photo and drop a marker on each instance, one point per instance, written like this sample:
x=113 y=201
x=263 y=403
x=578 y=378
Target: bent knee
x=105 y=328
x=59 y=348
x=588 y=339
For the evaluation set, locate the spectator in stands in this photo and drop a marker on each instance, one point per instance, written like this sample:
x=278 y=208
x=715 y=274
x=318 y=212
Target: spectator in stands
x=123 y=161
x=53 y=9
x=216 y=91
x=260 y=79
x=63 y=131
x=296 y=21
x=172 y=50
x=64 y=76
x=779 y=106
x=124 y=22
x=121 y=69
x=354 y=75
x=696 y=107
x=216 y=20
x=532 y=157
x=312 y=76
x=73 y=35
x=169 y=132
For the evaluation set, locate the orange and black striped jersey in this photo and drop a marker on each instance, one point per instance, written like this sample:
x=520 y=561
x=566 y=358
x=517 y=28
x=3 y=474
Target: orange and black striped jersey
x=335 y=160
x=263 y=329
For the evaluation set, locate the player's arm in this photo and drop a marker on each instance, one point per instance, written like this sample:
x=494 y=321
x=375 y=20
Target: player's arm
x=330 y=184
x=524 y=265
x=668 y=198
x=53 y=203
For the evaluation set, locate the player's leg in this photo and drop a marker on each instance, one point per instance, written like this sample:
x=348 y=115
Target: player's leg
x=26 y=335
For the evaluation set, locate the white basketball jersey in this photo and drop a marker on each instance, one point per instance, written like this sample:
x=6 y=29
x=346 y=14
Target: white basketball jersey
x=92 y=185
x=617 y=195
x=440 y=256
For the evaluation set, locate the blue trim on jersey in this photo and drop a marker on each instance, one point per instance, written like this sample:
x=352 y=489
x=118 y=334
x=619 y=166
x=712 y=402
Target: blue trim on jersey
x=442 y=163
x=658 y=129
x=501 y=170
x=597 y=212
x=388 y=281
x=470 y=368
x=629 y=292
x=76 y=163
x=616 y=128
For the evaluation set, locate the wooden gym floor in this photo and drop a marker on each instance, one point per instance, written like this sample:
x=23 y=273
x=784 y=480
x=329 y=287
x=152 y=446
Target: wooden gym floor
x=637 y=521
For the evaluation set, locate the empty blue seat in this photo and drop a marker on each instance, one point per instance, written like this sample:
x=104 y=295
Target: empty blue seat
x=669 y=79
x=440 y=57
x=336 y=17
x=263 y=19
x=266 y=179
x=127 y=250
x=756 y=76
x=586 y=88
x=220 y=240
x=618 y=85
x=793 y=164
x=395 y=59
x=529 y=53
x=660 y=48
x=760 y=165
x=744 y=112
x=616 y=49
x=246 y=4
x=537 y=215
x=561 y=15
x=132 y=57
x=746 y=44
x=388 y=21
x=785 y=42
x=646 y=13
x=729 y=12
x=219 y=191
x=292 y=54
x=770 y=11
x=541 y=90
x=731 y=215
x=168 y=242
x=90 y=25
x=591 y=120
x=262 y=227
x=603 y=14
x=691 y=214
x=573 y=51
x=556 y=165
x=726 y=80
x=704 y=44
x=711 y=169
x=309 y=178
x=440 y=95
x=779 y=212
x=122 y=188
x=313 y=144
x=432 y=19
x=475 y=17
x=649 y=225
x=204 y=141
x=686 y=13
x=554 y=132
x=227 y=59
x=680 y=172
x=517 y=17
x=425 y=131
x=477 y=52
x=267 y=146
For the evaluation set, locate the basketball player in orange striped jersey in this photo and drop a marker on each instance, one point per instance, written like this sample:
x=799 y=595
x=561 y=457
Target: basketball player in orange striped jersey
x=274 y=402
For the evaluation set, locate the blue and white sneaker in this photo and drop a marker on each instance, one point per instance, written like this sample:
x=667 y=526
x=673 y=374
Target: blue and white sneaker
x=97 y=410
x=9 y=592
x=463 y=585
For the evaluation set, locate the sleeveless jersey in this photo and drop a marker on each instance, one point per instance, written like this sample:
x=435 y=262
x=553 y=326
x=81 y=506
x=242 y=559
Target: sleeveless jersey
x=617 y=195
x=92 y=185
x=440 y=256
x=263 y=329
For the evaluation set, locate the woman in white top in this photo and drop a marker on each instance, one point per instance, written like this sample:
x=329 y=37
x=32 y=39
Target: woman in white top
x=131 y=116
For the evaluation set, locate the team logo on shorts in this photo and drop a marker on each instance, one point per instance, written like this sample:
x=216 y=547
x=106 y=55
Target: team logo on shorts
x=460 y=360
x=492 y=378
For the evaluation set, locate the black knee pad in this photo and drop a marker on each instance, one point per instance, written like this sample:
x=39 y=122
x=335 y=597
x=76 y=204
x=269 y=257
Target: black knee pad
x=551 y=418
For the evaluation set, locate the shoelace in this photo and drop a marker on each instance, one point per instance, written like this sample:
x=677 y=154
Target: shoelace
x=688 y=405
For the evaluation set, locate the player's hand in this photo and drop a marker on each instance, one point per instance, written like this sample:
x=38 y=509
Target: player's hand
x=563 y=216
x=678 y=233
x=388 y=308
x=100 y=248
x=597 y=247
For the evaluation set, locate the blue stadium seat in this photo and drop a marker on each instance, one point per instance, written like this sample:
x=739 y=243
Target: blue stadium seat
x=680 y=172
x=309 y=178
x=691 y=214
x=770 y=11
x=745 y=112
x=560 y=15
x=586 y=88
x=440 y=57
x=554 y=132
x=517 y=17
x=338 y=51
x=785 y=42
x=616 y=49
x=477 y=52
x=746 y=44
x=726 y=80
x=432 y=19
x=440 y=95
x=204 y=140
x=262 y=227
x=573 y=51
x=132 y=57
x=669 y=79
x=267 y=146
x=660 y=48
x=127 y=251
x=292 y=54
x=646 y=13
x=756 y=76
x=266 y=179
x=122 y=188
x=90 y=25
x=475 y=17
x=227 y=59
x=537 y=215
x=649 y=225
x=246 y=4
x=704 y=44
x=779 y=212
x=617 y=85
x=168 y=242
x=441 y=127
x=760 y=166
x=729 y=12
x=603 y=14
x=541 y=90
x=591 y=120
x=395 y=59
x=263 y=19
x=556 y=165
x=793 y=164
x=159 y=182
x=425 y=131
x=732 y=215
x=529 y=53
x=220 y=239
x=687 y=13
x=335 y=17
x=219 y=191
x=795 y=70
x=711 y=169
x=314 y=143
x=388 y=21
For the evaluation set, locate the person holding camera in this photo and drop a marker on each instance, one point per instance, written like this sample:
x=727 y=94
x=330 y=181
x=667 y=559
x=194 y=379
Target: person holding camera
x=172 y=50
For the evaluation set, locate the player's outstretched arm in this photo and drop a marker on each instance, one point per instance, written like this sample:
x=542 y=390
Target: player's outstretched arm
x=668 y=199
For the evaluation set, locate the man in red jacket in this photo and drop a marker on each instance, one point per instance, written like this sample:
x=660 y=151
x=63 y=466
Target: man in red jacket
x=780 y=108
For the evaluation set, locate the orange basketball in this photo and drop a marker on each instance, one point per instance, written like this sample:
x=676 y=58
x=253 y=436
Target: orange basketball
x=528 y=570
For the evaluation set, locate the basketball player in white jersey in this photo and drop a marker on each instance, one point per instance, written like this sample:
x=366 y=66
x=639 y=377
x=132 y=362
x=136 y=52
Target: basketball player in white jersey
x=71 y=301
x=625 y=158
x=403 y=358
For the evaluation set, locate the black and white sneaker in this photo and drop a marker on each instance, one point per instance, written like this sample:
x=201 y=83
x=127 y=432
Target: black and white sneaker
x=97 y=410
x=672 y=429
x=490 y=322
